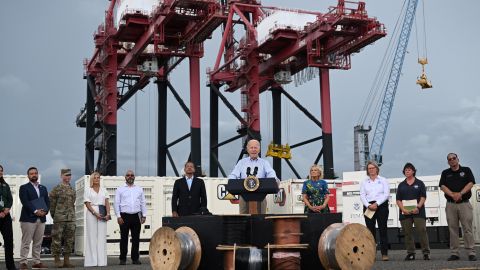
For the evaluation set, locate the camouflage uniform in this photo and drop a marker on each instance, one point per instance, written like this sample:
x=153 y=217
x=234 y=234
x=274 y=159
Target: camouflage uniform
x=62 y=209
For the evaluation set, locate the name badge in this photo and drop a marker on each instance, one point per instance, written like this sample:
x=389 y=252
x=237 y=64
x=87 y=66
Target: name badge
x=2 y=204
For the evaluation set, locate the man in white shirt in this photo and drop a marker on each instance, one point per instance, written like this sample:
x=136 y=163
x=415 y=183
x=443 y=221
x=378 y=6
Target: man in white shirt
x=131 y=210
x=252 y=164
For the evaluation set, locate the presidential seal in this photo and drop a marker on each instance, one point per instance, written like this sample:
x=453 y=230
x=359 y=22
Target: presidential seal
x=251 y=183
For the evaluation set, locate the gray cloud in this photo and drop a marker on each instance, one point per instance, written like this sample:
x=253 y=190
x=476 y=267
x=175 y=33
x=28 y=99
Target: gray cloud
x=42 y=90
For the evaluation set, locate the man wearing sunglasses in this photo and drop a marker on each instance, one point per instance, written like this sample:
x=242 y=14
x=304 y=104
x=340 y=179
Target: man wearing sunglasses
x=131 y=212
x=456 y=182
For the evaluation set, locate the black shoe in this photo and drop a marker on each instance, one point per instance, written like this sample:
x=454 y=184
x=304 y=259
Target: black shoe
x=136 y=262
x=123 y=262
x=453 y=258
x=472 y=258
x=426 y=257
x=410 y=257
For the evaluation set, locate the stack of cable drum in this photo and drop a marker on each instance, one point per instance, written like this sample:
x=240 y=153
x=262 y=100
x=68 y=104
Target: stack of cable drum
x=347 y=246
x=286 y=247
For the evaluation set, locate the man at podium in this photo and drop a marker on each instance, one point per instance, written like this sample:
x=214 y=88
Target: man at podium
x=252 y=165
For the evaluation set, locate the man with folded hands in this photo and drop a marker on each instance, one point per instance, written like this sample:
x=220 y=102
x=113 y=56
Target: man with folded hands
x=35 y=206
x=456 y=183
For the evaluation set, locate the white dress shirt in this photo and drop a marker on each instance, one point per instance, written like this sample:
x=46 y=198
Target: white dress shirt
x=36 y=187
x=130 y=200
x=189 y=182
x=374 y=190
x=264 y=169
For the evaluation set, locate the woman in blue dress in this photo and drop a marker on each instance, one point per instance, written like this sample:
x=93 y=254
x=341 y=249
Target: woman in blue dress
x=315 y=192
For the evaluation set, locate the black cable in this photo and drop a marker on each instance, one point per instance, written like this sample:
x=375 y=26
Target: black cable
x=251 y=258
x=235 y=230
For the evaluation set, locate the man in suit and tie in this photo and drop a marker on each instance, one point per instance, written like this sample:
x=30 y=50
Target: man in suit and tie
x=189 y=194
x=35 y=206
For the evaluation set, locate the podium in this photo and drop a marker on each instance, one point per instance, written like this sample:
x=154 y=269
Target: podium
x=253 y=190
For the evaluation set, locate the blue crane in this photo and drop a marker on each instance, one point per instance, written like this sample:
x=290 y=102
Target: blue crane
x=378 y=140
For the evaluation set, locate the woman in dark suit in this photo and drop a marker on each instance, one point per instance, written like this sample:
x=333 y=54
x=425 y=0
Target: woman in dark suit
x=189 y=194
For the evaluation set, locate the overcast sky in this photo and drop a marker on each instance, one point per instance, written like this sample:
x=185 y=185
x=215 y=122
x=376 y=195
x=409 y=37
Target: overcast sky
x=42 y=90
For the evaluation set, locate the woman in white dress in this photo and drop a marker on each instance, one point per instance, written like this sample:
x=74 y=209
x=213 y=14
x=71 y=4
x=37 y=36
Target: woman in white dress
x=96 y=224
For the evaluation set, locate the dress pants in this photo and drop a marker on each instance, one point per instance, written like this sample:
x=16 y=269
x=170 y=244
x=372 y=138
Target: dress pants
x=463 y=213
x=131 y=223
x=7 y=233
x=261 y=206
x=421 y=229
x=31 y=231
x=380 y=217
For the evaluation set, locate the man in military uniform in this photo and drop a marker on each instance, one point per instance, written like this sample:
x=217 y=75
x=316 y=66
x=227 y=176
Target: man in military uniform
x=62 y=210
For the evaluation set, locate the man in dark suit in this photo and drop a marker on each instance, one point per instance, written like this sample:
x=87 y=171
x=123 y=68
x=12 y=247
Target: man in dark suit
x=35 y=205
x=189 y=194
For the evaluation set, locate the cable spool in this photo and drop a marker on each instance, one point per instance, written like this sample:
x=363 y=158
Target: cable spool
x=286 y=229
x=251 y=258
x=346 y=246
x=286 y=257
x=235 y=230
x=244 y=258
x=172 y=250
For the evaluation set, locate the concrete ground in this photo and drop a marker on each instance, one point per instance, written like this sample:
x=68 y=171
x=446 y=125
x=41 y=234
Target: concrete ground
x=438 y=261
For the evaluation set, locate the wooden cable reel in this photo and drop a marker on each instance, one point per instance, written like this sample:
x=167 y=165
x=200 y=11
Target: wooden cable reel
x=172 y=250
x=346 y=246
x=286 y=247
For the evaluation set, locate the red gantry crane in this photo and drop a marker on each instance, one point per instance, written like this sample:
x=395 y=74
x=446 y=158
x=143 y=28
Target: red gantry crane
x=258 y=63
x=133 y=46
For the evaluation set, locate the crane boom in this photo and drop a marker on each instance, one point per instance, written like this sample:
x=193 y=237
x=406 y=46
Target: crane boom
x=392 y=84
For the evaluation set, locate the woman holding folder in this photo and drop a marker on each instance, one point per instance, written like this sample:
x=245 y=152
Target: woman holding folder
x=96 y=201
x=411 y=196
x=374 y=192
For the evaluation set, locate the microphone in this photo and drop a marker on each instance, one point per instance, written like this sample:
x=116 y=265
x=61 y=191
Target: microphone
x=255 y=171
x=248 y=171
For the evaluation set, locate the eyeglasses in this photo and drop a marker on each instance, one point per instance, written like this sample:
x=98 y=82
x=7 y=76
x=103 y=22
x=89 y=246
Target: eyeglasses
x=452 y=158
x=129 y=175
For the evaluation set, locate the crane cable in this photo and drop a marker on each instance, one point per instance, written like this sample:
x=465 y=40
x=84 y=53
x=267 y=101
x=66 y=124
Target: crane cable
x=424 y=34
x=136 y=133
x=375 y=96
x=269 y=120
x=286 y=106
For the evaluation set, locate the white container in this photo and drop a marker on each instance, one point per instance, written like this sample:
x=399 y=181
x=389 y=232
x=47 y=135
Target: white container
x=289 y=199
x=151 y=187
x=219 y=201
x=434 y=205
x=158 y=197
x=475 y=201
